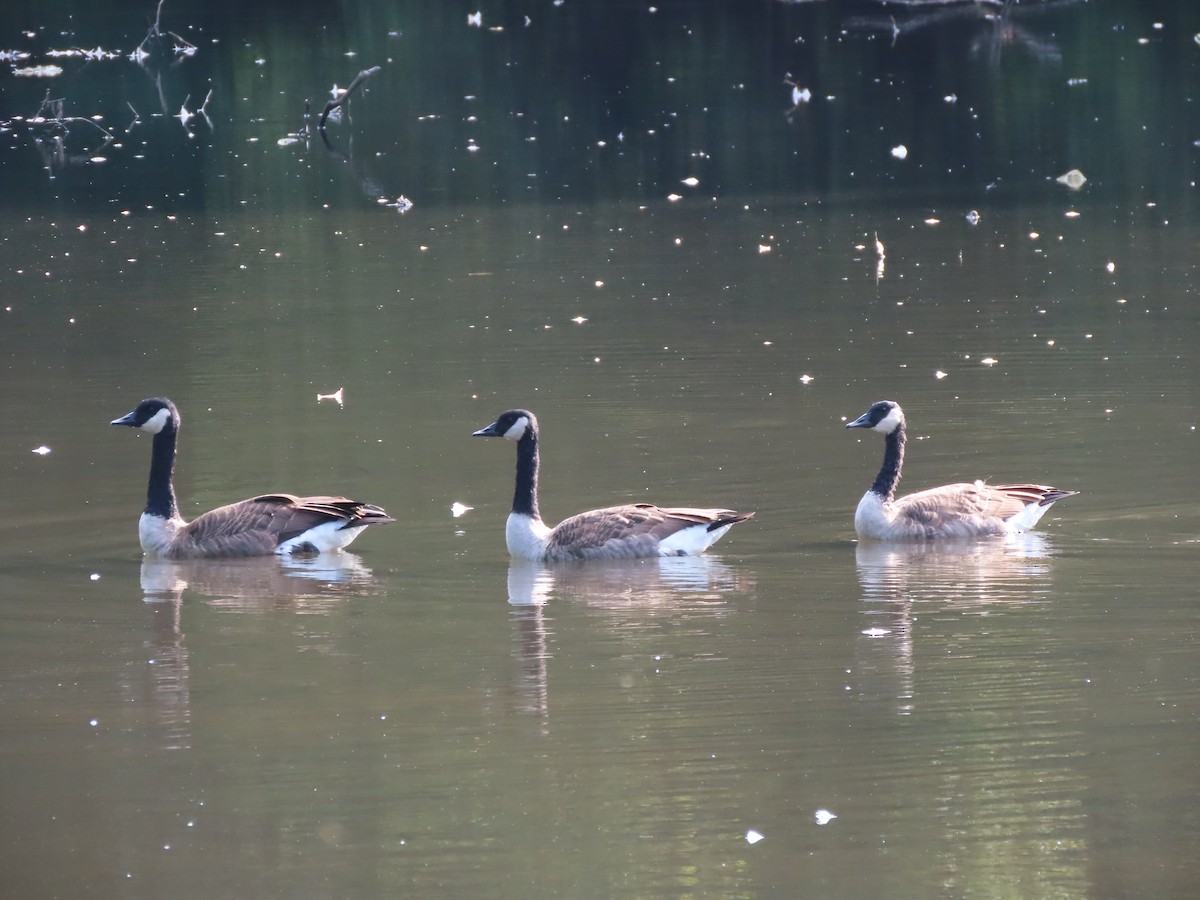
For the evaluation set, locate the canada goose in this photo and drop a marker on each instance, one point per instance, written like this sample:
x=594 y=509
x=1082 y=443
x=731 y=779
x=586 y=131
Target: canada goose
x=953 y=510
x=260 y=526
x=618 y=532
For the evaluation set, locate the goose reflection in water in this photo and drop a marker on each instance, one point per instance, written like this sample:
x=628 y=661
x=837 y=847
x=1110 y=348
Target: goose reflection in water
x=963 y=575
x=165 y=678
x=257 y=584
x=671 y=582
x=632 y=588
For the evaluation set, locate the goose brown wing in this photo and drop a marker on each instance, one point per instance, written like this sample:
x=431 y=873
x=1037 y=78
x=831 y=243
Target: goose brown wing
x=941 y=506
x=1042 y=494
x=635 y=523
x=257 y=526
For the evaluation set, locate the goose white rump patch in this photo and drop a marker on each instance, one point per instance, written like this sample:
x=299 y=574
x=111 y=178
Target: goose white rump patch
x=691 y=541
x=323 y=538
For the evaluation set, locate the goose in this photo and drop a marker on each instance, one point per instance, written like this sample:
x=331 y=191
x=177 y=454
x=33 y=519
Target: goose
x=633 y=531
x=953 y=510
x=260 y=526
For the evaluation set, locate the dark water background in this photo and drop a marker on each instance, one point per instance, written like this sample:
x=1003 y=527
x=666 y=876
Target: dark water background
x=421 y=718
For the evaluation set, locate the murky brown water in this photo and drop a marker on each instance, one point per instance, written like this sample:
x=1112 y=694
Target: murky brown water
x=422 y=718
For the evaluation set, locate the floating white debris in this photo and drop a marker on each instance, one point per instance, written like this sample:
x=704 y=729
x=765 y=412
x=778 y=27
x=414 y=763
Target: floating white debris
x=824 y=816
x=1072 y=214
x=875 y=632
x=900 y=151
x=939 y=374
x=764 y=248
x=691 y=182
x=800 y=95
x=931 y=221
x=457 y=509
x=579 y=320
x=674 y=197
x=288 y=141
x=338 y=397
x=989 y=361
x=475 y=19
x=1073 y=179
x=753 y=837
x=599 y=284
x=95 y=576
x=38 y=72
x=973 y=217
x=42 y=450
x=950 y=98
x=806 y=379
x=1110 y=267
x=185 y=115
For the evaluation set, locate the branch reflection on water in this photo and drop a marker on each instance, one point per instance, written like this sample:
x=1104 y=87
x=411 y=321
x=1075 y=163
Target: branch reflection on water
x=993 y=22
x=968 y=575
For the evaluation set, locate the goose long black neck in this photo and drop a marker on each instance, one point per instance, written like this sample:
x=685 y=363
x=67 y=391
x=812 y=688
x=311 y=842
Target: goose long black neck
x=525 y=498
x=160 y=496
x=893 y=459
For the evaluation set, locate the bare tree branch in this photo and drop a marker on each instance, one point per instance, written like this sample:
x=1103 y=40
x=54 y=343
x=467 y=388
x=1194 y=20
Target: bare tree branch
x=345 y=95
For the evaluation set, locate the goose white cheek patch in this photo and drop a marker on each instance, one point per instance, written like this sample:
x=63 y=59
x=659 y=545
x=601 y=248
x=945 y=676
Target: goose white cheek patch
x=889 y=422
x=518 y=429
x=157 y=422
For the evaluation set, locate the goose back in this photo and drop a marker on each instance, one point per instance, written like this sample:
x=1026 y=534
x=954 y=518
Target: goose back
x=272 y=523
x=639 y=530
x=967 y=509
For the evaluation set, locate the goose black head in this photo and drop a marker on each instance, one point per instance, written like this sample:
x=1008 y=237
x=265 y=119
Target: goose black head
x=884 y=416
x=515 y=425
x=152 y=415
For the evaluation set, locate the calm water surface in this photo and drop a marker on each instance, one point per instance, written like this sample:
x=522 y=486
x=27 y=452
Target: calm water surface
x=422 y=717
